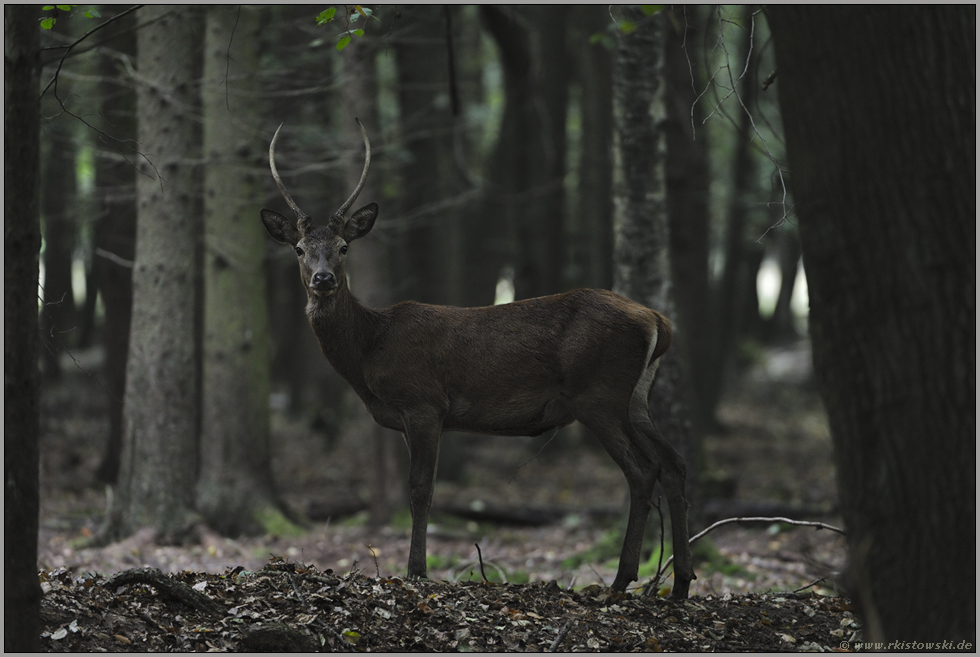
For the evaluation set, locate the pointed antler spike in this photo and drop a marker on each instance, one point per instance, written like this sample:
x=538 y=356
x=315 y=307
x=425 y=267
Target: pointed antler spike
x=339 y=214
x=301 y=216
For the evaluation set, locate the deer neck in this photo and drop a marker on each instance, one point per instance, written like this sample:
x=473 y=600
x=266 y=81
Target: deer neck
x=344 y=328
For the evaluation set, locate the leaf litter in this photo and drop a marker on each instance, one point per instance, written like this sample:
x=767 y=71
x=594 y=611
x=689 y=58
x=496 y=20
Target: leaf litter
x=295 y=607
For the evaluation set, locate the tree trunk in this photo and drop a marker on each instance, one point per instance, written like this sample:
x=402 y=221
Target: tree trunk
x=431 y=244
x=159 y=457
x=642 y=256
x=21 y=243
x=781 y=326
x=879 y=107
x=523 y=210
x=738 y=278
x=58 y=206
x=595 y=207
x=235 y=492
x=687 y=207
x=115 y=234
x=368 y=271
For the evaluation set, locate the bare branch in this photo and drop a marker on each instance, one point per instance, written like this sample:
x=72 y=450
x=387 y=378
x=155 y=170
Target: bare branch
x=728 y=521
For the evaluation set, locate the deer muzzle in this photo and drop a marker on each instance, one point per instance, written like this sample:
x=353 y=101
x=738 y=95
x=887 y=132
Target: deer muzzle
x=323 y=283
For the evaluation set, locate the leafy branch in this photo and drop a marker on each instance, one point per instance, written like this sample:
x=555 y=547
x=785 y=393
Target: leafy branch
x=352 y=14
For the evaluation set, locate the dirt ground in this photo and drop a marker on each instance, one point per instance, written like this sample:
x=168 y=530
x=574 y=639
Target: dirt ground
x=772 y=453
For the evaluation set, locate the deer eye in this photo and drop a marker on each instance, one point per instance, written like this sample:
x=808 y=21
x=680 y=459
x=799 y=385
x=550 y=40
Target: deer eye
x=343 y=250
x=299 y=250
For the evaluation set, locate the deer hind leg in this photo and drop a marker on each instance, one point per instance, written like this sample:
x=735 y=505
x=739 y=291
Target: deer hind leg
x=670 y=468
x=672 y=473
x=422 y=438
x=641 y=476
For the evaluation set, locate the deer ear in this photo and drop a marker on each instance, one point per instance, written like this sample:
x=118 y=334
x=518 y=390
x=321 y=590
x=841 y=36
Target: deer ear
x=361 y=222
x=280 y=229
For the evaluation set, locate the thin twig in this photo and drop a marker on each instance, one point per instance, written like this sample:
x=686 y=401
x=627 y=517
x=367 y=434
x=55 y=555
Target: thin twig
x=374 y=555
x=561 y=636
x=813 y=583
x=479 y=553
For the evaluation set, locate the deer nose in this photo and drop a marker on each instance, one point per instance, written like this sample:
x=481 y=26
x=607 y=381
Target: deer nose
x=322 y=278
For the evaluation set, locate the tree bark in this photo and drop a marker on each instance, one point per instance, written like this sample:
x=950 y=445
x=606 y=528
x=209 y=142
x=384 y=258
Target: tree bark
x=593 y=65
x=159 y=457
x=115 y=232
x=687 y=207
x=368 y=270
x=737 y=285
x=58 y=207
x=21 y=243
x=642 y=256
x=235 y=491
x=879 y=108
x=431 y=250
x=524 y=206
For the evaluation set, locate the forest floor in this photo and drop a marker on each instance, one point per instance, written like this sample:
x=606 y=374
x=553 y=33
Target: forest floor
x=559 y=506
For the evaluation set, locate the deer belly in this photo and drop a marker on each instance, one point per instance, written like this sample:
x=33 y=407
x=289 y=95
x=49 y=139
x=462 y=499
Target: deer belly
x=507 y=416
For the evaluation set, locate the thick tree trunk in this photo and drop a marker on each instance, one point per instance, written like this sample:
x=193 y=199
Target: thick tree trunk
x=593 y=64
x=879 y=107
x=737 y=286
x=159 y=457
x=21 y=243
x=115 y=234
x=687 y=206
x=235 y=491
x=369 y=274
x=642 y=256
x=525 y=180
x=432 y=249
x=58 y=207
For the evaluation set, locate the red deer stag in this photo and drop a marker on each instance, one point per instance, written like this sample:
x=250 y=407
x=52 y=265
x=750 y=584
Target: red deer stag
x=516 y=369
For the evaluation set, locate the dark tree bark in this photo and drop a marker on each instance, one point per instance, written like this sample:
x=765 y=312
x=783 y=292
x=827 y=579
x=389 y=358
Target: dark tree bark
x=879 y=108
x=58 y=207
x=431 y=245
x=736 y=289
x=21 y=243
x=642 y=256
x=370 y=275
x=159 y=457
x=235 y=491
x=781 y=327
x=115 y=231
x=687 y=207
x=525 y=181
x=593 y=66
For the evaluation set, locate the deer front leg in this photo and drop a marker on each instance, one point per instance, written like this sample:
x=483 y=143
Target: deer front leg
x=422 y=438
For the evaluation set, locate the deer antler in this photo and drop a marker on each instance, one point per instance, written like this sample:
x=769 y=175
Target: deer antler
x=302 y=219
x=339 y=214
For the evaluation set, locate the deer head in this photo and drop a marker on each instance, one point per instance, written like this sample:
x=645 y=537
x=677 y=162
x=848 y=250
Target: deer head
x=321 y=250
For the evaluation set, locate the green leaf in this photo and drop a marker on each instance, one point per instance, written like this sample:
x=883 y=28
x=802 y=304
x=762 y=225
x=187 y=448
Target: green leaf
x=650 y=10
x=65 y=7
x=359 y=32
x=92 y=13
x=47 y=7
x=342 y=43
x=627 y=27
x=47 y=23
x=326 y=15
